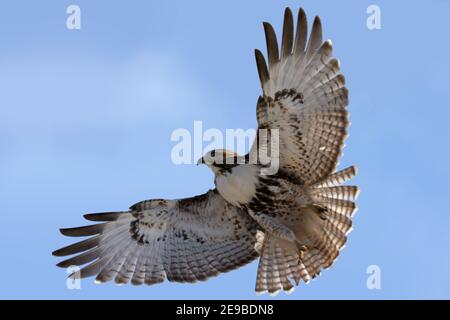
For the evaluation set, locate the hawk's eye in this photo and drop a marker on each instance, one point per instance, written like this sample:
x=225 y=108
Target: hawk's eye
x=213 y=153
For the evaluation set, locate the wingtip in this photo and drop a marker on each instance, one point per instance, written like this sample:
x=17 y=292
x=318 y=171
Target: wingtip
x=317 y=20
x=301 y=15
x=104 y=216
x=61 y=264
x=63 y=231
x=83 y=231
x=266 y=25
x=87 y=216
x=69 y=232
x=57 y=253
x=287 y=11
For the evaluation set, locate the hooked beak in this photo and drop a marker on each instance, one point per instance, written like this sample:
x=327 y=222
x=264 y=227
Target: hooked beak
x=200 y=161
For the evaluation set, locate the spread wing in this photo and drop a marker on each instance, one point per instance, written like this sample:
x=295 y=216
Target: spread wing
x=304 y=96
x=184 y=240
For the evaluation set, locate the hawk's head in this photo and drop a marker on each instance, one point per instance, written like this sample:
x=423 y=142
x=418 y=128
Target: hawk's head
x=219 y=160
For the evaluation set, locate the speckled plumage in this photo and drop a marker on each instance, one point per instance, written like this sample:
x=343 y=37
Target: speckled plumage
x=296 y=219
x=305 y=98
x=184 y=240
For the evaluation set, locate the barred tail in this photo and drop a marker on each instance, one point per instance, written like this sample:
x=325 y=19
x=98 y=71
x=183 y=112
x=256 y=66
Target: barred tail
x=337 y=203
x=335 y=206
x=336 y=178
x=320 y=236
x=277 y=265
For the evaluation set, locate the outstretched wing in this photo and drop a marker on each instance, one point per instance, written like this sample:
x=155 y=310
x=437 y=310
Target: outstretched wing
x=184 y=240
x=304 y=96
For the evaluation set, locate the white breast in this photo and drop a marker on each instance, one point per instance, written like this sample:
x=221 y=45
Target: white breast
x=239 y=186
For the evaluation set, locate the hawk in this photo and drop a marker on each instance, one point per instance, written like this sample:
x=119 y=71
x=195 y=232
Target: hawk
x=295 y=220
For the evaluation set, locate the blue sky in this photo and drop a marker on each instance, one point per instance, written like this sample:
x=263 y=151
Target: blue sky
x=86 y=117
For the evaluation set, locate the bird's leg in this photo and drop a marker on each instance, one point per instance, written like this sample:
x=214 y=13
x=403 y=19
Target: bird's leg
x=301 y=252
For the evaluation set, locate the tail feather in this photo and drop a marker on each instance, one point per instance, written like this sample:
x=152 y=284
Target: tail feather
x=278 y=266
x=348 y=193
x=311 y=259
x=327 y=252
x=337 y=239
x=303 y=273
x=320 y=236
x=337 y=178
x=264 y=269
x=340 y=221
x=335 y=207
x=273 y=270
x=283 y=269
x=343 y=207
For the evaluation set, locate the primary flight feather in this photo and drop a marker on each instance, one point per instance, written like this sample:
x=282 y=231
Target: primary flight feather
x=296 y=220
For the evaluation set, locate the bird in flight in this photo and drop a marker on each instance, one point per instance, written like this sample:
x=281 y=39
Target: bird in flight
x=295 y=220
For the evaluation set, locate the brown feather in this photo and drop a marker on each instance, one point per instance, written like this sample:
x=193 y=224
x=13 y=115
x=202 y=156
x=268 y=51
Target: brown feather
x=301 y=34
x=77 y=247
x=272 y=45
x=83 y=231
x=288 y=34
x=103 y=216
x=315 y=39
x=262 y=67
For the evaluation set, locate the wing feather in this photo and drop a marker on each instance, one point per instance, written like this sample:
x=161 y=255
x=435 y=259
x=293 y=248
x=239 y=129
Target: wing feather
x=272 y=45
x=184 y=240
x=315 y=39
x=301 y=34
x=288 y=34
x=262 y=66
x=305 y=98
